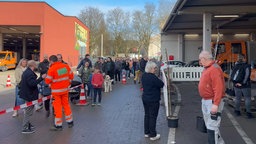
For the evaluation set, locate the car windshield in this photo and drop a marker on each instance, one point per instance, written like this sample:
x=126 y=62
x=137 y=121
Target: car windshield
x=176 y=63
x=2 y=55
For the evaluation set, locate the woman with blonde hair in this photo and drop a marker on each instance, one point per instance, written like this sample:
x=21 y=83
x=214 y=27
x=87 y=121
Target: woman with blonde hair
x=21 y=67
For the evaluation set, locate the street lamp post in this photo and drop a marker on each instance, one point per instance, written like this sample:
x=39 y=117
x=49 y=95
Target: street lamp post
x=101 y=46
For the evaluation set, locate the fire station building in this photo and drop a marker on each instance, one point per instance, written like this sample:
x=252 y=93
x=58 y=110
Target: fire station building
x=35 y=29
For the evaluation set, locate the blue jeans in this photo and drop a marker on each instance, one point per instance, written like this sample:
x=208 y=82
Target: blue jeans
x=88 y=89
x=97 y=91
x=18 y=100
x=151 y=113
x=246 y=92
x=127 y=73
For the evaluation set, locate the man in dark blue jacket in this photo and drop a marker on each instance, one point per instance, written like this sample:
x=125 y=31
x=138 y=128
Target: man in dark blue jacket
x=82 y=62
x=29 y=92
x=151 y=99
x=242 y=85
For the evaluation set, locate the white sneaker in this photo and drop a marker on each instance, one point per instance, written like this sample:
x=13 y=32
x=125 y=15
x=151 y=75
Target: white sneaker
x=146 y=135
x=15 y=113
x=155 y=138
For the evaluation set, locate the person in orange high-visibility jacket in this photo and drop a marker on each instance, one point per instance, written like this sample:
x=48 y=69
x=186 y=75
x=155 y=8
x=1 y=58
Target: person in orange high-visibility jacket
x=59 y=77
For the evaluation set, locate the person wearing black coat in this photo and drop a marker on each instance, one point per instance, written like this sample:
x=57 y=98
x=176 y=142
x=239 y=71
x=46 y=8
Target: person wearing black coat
x=142 y=62
x=242 y=87
x=29 y=92
x=44 y=89
x=82 y=62
x=151 y=99
x=110 y=68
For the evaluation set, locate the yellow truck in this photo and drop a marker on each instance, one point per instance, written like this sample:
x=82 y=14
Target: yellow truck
x=8 y=60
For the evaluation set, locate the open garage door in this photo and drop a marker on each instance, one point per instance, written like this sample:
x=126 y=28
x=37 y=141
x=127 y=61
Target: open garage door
x=24 y=40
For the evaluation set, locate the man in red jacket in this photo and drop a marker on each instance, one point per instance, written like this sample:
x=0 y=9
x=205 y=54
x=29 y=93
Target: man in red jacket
x=212 y=90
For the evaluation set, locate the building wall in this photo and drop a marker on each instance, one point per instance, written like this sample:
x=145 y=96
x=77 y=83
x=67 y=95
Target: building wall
x=59 y=35
x=154 y=47
x=169 y=43
x=12 y=13
x=57 y=32
x=192 y=45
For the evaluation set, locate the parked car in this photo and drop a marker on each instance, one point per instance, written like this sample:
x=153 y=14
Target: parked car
x=7 y=60
x=193 y=63
x=172 y=64
x=178 y=63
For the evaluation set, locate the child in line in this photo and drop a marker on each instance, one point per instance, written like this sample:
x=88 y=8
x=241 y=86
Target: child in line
x=97 y=81
x=90 y=86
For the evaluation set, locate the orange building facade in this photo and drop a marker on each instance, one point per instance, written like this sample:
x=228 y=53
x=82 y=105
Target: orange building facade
x=35 y=29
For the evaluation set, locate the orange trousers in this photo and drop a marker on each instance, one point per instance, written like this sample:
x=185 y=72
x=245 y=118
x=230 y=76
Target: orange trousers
x=60 y=101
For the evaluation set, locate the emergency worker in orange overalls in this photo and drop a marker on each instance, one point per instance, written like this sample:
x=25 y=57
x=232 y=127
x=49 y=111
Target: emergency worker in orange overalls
x=59 y=77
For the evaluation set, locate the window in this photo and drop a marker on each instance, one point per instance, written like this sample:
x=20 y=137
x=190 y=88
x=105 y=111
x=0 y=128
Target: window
x=236 y=48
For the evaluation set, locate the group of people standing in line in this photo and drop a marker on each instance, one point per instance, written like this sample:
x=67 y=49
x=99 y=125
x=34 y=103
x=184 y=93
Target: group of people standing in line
x=211 y=88
x=54 y=79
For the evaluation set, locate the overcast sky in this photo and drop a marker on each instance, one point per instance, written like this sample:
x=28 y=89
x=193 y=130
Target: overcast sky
x=73 y=7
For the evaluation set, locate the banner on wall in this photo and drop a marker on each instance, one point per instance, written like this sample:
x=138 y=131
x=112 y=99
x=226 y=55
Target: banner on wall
x=81 y=39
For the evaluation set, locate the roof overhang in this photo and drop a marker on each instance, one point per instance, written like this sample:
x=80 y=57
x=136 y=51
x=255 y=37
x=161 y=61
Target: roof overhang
x=187 y=16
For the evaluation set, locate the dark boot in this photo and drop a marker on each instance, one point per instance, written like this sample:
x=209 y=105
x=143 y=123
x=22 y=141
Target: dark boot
x=249 y=115
x=211 y=136
x=47 y=113
x=56 y=128
x=70 y=124
x=238 y=113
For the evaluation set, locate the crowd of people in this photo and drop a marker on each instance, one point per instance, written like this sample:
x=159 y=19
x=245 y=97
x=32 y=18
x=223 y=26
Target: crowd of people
x=53 y=77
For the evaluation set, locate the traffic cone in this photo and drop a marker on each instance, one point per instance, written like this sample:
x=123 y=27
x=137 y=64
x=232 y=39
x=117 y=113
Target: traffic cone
x=8 y=83
x=82 y=100
x=123 y=79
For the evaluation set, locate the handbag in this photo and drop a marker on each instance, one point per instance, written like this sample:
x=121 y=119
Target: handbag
x=200 y=124
x=46 y=90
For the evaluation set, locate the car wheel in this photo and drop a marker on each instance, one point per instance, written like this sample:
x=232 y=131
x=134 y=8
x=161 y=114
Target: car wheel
x=5 y=68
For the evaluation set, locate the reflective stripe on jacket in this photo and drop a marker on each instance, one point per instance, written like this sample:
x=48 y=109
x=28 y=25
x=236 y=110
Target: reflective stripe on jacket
x=59 y=77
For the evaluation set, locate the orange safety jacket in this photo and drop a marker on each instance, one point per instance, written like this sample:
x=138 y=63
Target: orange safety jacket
x=59 y=77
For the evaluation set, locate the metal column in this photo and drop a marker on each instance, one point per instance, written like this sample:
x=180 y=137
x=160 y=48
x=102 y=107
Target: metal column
x=181 y=47
x=24 y=47
x=207 y=31
x=1 y=42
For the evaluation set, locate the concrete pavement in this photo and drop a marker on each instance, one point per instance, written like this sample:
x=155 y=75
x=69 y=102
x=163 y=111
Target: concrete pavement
x=232 y=133
x=120 y=120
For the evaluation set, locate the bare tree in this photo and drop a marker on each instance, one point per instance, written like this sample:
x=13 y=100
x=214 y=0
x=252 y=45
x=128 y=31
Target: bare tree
x=163 y=11
x=118 y=23
x=94 y=20
x=144 y=24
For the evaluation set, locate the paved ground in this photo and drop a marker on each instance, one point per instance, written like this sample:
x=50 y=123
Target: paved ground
x=3 y=78
x=118 y=121
x=186 y=133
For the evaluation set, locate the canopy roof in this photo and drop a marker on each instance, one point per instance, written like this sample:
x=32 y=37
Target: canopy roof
x=187 y=16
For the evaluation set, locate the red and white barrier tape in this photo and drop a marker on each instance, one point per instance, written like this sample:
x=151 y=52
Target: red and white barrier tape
x=30 y=103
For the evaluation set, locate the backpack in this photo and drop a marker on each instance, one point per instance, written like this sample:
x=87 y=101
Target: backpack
x=238 y=73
